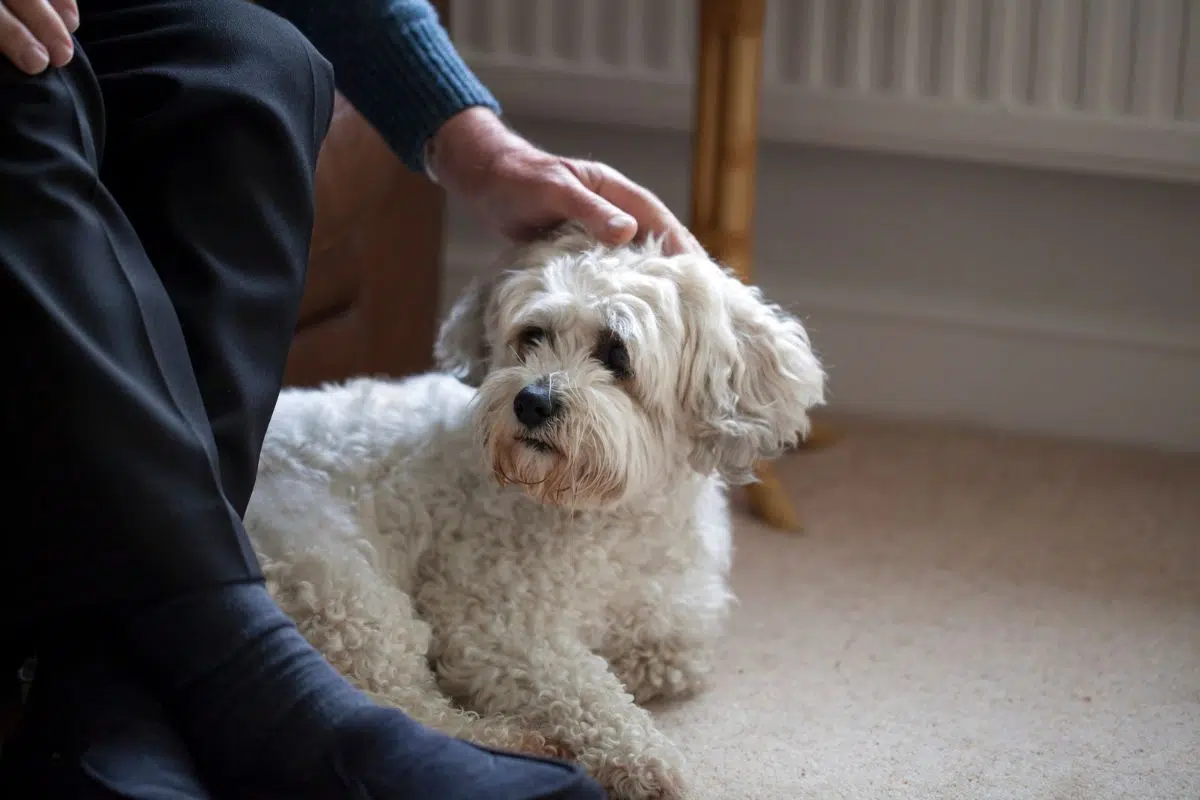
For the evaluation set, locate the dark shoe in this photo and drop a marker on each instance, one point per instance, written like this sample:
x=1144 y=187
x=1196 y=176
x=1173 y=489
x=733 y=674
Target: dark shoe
x=90 y=731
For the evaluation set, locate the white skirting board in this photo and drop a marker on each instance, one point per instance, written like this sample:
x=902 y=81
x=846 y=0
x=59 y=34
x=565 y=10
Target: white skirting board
x=898 y=357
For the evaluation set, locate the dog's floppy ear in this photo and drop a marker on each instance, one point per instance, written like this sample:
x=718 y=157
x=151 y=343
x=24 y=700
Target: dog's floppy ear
x=752 y=380
x=462 y=348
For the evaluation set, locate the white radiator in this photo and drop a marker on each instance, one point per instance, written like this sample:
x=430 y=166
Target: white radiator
x=1099 y=85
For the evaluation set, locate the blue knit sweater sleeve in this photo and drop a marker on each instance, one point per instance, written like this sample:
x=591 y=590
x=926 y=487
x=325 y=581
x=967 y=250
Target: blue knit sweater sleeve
x=394 y=61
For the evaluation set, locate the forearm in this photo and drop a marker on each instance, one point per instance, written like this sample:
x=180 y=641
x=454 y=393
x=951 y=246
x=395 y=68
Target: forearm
x=394 y=61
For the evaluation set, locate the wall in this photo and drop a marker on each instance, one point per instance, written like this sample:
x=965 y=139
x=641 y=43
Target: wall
x=1047 y=302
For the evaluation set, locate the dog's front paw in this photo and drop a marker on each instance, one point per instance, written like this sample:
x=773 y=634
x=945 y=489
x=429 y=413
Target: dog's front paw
x=642 y=777
x=533 y=743
x=661 y=672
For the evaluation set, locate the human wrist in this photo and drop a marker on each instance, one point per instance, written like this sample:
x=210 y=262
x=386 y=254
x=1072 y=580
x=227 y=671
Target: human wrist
x=466 y=147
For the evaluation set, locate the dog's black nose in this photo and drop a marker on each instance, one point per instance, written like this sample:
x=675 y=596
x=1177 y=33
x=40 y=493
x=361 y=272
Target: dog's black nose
x=535 y=404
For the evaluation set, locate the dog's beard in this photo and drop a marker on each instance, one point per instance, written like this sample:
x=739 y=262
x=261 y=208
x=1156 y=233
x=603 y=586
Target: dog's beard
x=569 y=462
x=553 y=476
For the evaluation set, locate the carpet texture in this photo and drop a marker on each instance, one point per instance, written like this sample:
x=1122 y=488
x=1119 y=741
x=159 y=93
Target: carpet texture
x=967 y=615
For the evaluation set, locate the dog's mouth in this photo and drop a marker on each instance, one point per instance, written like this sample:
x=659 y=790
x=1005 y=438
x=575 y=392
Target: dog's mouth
x=537 y=445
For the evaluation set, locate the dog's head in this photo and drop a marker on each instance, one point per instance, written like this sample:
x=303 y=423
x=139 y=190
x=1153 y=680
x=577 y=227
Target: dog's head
x=606 y=373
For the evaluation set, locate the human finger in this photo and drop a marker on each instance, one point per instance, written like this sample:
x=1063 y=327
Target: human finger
x=574 y=199
x=33 y=35
x=20 y=46
x=68 y=12
x=46 y=23
x=649 y=212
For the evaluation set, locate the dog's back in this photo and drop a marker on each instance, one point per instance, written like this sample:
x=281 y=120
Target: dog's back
x=326 y=450
x=349 y=429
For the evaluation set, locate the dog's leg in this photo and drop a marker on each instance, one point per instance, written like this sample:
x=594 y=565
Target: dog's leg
x=554 y=684
x=662 y=632
x=668 y=666
x=662 y=648
x=367 y=629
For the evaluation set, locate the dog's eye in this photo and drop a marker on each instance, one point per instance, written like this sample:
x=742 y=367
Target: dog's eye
x=530 y=336
x=613 y=354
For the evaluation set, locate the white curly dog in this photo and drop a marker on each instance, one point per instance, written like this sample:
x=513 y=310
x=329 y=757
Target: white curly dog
x=522 y=550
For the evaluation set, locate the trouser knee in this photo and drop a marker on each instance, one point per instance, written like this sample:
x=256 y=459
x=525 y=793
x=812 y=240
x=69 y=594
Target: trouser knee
x=272 y=70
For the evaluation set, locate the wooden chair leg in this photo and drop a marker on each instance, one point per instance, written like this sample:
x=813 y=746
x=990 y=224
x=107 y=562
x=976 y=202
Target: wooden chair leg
x=724 y=168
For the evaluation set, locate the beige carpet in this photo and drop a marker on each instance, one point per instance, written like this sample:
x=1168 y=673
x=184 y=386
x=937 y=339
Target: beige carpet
x=967 y=616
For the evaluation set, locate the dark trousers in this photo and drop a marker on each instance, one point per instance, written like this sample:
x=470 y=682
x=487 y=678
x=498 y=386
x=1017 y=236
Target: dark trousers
x=156 y=205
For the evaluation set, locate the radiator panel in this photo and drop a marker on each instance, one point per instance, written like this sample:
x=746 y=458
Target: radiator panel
x=1098 y=85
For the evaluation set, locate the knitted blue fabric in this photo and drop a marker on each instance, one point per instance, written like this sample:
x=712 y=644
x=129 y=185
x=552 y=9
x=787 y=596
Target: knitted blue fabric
x=395 y=62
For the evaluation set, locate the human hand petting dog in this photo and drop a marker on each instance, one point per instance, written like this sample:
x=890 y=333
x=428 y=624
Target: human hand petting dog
x=36 y=34
x=519 y=190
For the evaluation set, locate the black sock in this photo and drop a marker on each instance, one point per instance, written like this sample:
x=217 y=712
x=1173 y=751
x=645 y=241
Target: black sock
x=249 y=689
x=257 y=702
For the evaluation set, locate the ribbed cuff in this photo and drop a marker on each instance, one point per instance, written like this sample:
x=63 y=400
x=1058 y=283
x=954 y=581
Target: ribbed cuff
x=394 y=62
x=429 y=84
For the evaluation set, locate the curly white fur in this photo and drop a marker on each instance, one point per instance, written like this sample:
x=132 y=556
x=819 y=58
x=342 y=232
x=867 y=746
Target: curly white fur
x=530 y=589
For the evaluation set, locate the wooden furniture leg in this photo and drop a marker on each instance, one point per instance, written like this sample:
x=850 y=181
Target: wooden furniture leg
x=724 y=166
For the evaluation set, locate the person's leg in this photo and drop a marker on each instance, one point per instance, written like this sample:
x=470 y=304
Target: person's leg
x=126 y=422
x=216 y=111
x=215 y=170
x=117 y=467
x=102 y=406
